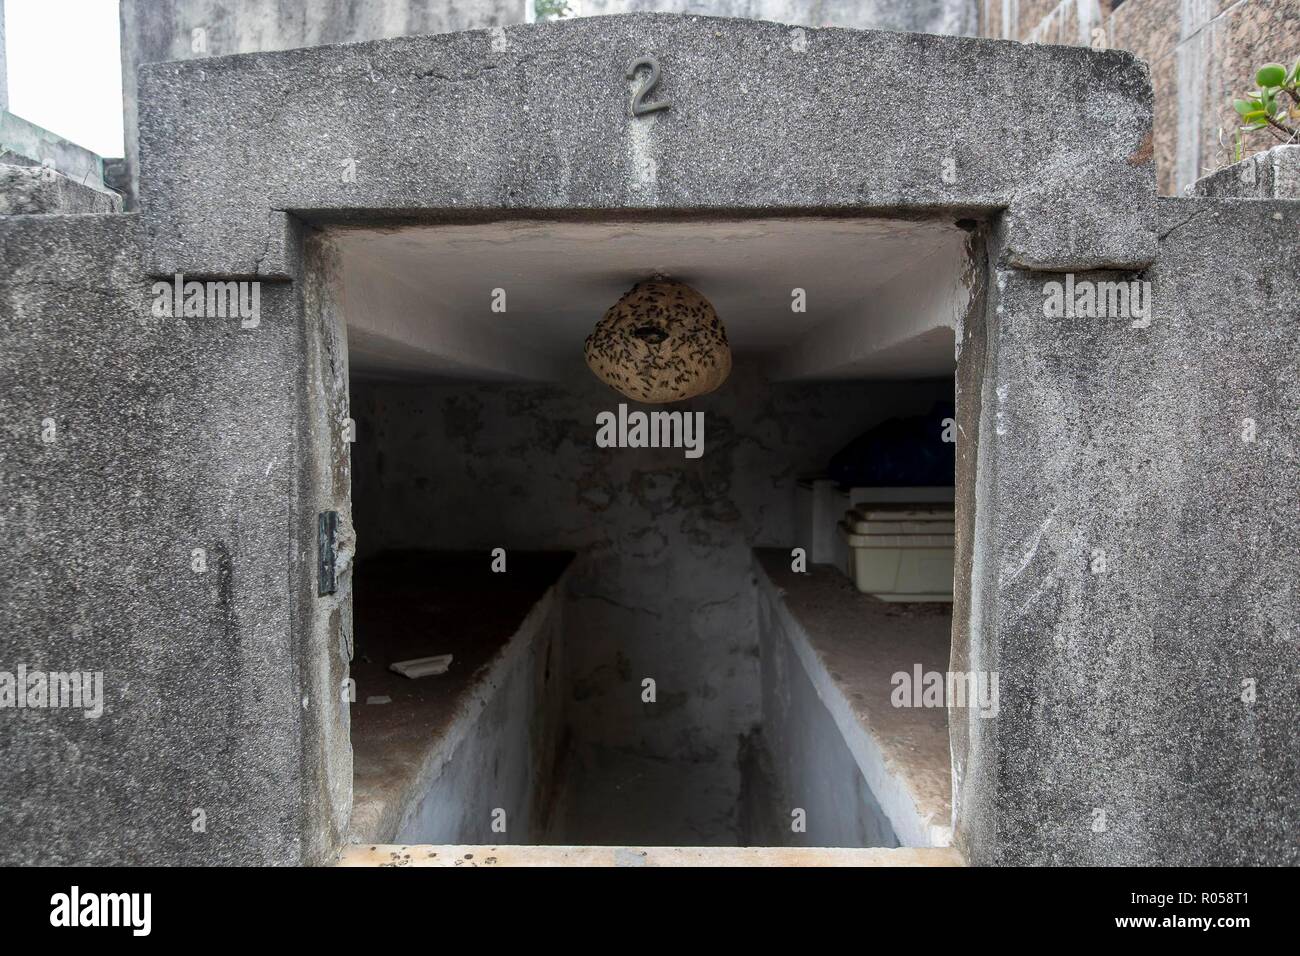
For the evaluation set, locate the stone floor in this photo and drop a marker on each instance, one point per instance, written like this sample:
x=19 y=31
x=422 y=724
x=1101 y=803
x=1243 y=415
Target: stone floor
x=613 y=797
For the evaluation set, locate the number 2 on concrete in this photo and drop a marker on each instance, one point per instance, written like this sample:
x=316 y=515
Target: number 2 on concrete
x=639 y=106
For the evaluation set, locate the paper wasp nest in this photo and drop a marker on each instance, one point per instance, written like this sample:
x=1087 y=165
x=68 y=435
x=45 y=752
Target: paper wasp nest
x=661 y=342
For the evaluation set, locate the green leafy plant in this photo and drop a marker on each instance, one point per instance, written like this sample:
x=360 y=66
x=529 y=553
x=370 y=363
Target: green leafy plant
x=1275 y=103
x=551 y=9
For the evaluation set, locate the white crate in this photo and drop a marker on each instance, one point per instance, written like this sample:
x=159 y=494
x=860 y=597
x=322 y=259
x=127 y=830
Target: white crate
x=820 y=505
x=900 y=567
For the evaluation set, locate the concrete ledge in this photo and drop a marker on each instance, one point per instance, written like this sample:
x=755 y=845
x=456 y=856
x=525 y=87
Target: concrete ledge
x=446 y=750
x=426 y=855
x=29 y=190
x=1272 y=174
x=850 y=644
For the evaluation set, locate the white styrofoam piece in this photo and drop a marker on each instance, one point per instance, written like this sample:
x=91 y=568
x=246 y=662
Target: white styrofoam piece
x=422 y=666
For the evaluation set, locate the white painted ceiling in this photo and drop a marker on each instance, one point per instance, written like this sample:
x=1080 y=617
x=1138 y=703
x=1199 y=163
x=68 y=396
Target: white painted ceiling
x=421 y=297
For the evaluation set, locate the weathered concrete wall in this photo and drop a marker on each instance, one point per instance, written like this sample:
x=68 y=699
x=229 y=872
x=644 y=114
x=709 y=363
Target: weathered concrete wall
x=812 y=766
x=154 y=31
x=662 y=586
x=1203 y=54
x=147 y=476
x=4 y=65
x=317 y=132
x=500 y=754
x=949 y=17
x=1133 y=555
x=24 y=142
x=1136 y=552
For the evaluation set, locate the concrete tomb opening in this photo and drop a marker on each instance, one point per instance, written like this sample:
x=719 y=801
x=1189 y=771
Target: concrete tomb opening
x=642 y=613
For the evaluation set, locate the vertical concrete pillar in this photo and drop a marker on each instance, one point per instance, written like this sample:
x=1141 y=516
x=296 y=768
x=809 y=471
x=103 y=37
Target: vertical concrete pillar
x=1133 y=554
x=151 y=482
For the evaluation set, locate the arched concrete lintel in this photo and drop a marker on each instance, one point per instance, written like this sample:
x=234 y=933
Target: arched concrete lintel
x=536 y=117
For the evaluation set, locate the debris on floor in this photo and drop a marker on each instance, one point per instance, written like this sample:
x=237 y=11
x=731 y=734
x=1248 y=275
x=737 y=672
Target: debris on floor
x=422 y=666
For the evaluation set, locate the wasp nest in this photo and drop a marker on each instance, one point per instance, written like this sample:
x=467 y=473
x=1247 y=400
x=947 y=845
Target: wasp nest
x=661 y=342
